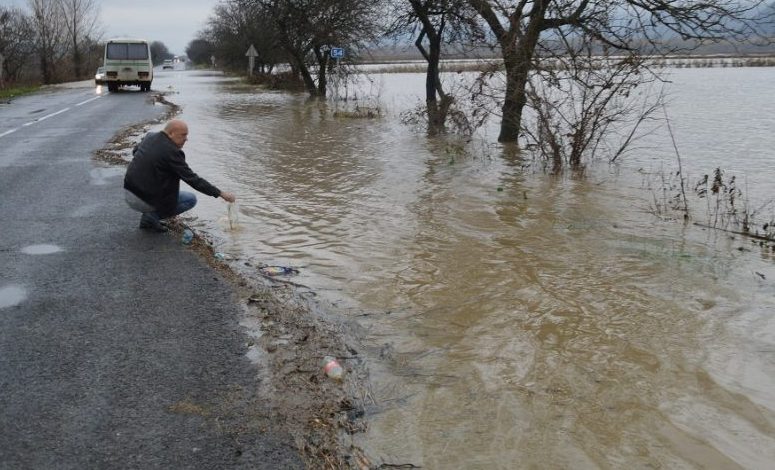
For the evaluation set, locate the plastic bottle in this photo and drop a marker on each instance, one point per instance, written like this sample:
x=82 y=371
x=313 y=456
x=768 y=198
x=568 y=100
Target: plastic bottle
x=332 y=368
x=188 y=235
x=232 y=212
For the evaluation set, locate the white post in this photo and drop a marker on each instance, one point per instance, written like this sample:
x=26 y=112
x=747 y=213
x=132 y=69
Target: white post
x=251 y=54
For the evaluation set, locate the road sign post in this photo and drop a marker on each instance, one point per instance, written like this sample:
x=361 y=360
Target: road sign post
x=337 y=53
x=251 y=54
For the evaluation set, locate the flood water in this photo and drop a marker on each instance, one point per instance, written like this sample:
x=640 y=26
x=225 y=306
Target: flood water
x=514 y=319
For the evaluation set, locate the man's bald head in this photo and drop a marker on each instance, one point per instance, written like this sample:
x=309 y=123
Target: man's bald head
x=177 y=131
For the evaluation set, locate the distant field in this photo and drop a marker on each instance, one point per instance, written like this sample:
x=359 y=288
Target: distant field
x=479 y=65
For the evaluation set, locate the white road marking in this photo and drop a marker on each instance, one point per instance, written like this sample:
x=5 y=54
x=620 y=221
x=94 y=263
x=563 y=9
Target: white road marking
x=48 y=116
x=90 y=99
x=52 y=114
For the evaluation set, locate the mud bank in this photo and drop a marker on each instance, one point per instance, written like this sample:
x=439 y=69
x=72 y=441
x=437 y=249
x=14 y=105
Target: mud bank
x=289 y=334
x=118 y=150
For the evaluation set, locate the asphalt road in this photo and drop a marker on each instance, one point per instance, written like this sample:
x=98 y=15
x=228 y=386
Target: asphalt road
x=119 y=348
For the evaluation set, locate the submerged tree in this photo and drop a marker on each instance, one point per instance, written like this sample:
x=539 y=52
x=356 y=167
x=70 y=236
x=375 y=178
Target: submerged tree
x=435 y=23
x=308 y=30
x=632 y=26
x=300 y=33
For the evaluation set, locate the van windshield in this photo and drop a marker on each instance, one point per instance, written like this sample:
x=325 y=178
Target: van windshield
x=127 y=51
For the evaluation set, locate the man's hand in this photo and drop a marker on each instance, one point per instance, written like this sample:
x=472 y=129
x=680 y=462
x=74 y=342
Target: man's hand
x=227 y=196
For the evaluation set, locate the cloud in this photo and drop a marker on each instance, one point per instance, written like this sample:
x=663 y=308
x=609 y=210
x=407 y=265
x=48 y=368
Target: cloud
x=175 y=23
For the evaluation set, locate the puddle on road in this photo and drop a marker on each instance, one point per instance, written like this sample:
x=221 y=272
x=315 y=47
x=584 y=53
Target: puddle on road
x=11 y=296
x=41 y=249
x=85 y=210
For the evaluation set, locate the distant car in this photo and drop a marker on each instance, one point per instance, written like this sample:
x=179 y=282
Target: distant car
x=99 y=77
x=167 y=65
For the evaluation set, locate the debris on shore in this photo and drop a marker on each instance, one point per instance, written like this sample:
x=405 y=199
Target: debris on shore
x=289 y=339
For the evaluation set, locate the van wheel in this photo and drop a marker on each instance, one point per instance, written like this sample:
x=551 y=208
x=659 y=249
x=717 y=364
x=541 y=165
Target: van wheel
x=112 y=87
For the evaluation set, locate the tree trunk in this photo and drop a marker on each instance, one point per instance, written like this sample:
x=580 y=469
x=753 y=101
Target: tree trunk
x=74 y=39
x=514 y=101
x=77 y=62
x=45 y=68
x=437 y=112
x=301 y=68
x=309 y=82
x=437 y=115
x=517 y=59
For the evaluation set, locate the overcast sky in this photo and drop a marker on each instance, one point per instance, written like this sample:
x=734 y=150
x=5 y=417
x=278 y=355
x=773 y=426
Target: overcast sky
x=173 y=22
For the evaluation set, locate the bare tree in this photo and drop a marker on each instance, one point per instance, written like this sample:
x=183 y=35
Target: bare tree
x=645 y=26
x=16 y=42
x=81 y=18
x=435 y=23
x=50 y=30
x=200 y=50
x=309 y=29
x=234 y=26
x=582 y=97
x=159 y=52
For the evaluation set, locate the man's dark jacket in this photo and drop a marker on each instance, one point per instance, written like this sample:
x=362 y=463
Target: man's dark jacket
x=155 y=172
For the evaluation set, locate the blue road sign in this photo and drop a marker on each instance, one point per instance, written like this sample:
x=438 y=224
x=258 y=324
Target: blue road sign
x=337 y=53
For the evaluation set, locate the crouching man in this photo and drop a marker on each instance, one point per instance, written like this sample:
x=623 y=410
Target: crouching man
x=152 y=181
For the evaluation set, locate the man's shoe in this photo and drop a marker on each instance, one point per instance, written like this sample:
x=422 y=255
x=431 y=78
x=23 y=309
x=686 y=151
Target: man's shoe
x=155 y=227
x=149 y=223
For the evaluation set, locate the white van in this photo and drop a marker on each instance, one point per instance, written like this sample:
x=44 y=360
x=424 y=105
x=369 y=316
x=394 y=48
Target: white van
x=128 y=62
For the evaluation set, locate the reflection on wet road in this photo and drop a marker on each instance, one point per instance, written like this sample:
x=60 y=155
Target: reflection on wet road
x=513 y=319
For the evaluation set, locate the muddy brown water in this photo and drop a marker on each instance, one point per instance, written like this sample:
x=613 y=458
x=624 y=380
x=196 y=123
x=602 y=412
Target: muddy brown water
x=512 y=319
